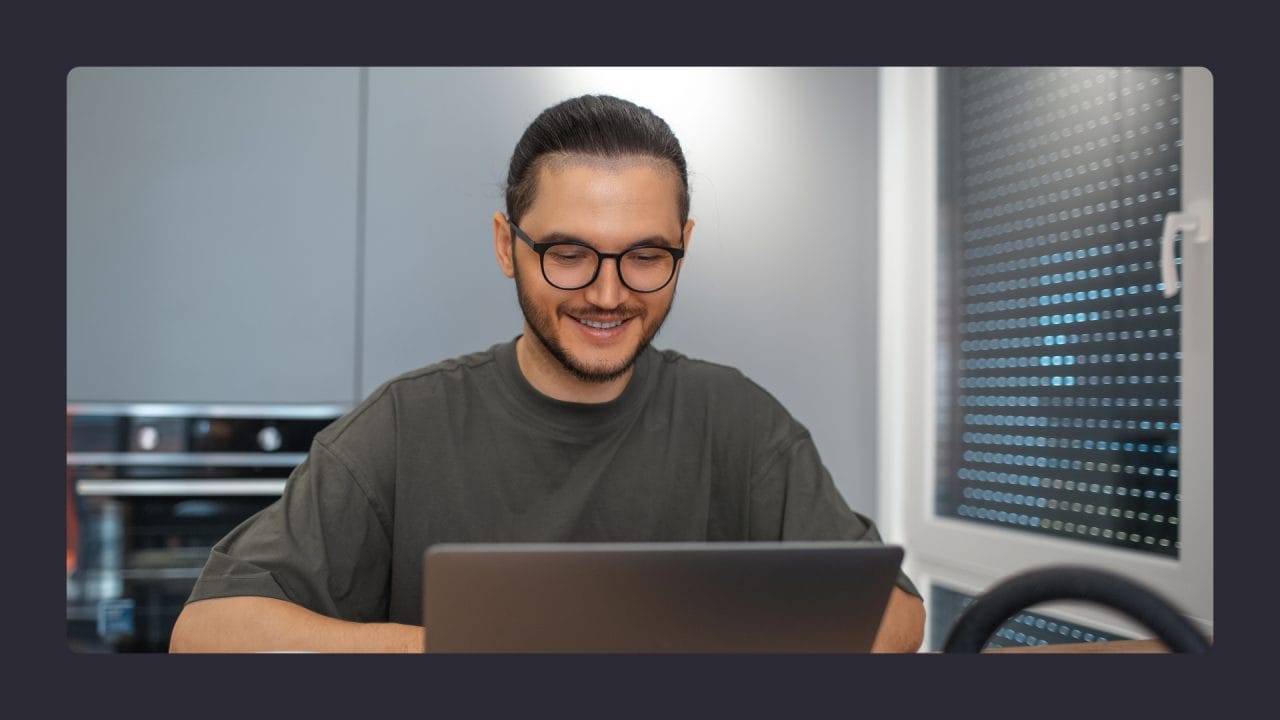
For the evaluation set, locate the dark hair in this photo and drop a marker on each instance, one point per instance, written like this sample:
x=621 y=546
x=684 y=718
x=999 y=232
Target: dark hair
x=598 y=125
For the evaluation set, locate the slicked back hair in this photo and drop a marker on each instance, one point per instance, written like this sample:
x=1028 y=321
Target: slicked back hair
x=594 y=125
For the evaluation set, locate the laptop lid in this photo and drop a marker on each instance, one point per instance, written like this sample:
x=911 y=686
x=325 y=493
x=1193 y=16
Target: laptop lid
x=656 y=597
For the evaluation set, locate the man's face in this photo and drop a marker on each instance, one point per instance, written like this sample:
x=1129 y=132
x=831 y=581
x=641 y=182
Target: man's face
x=612 y=205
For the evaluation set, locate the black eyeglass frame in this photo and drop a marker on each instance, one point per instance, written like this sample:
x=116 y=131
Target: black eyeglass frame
x=542 y=248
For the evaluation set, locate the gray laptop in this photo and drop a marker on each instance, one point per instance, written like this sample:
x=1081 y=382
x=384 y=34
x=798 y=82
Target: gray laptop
x=656 y=597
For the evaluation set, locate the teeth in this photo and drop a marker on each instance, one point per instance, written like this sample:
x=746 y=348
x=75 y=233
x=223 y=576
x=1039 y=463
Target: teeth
x=600 y=325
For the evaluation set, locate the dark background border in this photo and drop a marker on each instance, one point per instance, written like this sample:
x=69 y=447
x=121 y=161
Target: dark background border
x=42 y=45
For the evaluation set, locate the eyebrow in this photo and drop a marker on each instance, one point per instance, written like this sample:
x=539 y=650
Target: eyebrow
x=651 y=241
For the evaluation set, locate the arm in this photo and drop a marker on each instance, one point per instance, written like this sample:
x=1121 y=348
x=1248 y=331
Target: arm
x=281 y=579
x=256 y=624
x=902 y=626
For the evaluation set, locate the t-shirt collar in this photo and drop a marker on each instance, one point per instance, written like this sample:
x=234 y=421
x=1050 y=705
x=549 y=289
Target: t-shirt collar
x=571 y=419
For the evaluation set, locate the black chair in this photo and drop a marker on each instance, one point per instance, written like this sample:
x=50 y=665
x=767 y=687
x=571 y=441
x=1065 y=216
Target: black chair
x=985 y=615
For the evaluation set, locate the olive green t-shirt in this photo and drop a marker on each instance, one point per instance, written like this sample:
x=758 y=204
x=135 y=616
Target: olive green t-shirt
x=466 y=450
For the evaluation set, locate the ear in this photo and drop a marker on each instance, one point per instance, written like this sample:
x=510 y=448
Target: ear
x=688 y=235
x=502 y=248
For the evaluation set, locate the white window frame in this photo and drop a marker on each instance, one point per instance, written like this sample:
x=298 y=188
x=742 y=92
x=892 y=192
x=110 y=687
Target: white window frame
x=967 y=556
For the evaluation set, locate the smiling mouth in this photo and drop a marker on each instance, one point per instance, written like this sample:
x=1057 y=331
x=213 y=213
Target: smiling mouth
x=608 y=323
x=600 y=325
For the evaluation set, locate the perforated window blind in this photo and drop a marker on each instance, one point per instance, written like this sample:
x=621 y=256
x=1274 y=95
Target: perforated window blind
x=1023 y=629
x=1060 y=356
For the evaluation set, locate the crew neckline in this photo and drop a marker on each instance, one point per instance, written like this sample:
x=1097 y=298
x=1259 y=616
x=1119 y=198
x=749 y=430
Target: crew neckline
x=572 y=420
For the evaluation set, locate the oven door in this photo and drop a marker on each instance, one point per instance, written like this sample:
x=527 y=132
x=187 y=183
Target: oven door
x=151 y=488
x=142 y=543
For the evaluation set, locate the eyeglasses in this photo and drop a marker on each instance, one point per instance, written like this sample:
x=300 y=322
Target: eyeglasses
x=573 y=265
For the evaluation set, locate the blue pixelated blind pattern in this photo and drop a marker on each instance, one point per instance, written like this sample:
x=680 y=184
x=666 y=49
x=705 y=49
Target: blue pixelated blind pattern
x=1023 y=629
x=1059 y=356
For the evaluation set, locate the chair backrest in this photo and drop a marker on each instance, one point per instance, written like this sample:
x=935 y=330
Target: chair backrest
x=984 y=616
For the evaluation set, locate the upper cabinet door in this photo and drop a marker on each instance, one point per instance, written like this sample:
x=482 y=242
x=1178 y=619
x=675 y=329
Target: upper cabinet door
x=212 y=234
x=440 y=140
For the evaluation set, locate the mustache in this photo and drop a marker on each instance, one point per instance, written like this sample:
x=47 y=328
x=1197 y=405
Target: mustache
x=598 y=315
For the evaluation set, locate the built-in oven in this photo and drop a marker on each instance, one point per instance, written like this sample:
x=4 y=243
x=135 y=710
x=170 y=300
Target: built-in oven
x=150 y=489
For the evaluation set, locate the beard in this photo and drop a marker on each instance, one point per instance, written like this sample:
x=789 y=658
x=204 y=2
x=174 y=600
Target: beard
x=543 y=326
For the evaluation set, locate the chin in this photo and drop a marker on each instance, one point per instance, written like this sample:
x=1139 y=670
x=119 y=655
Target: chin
x=601 y=370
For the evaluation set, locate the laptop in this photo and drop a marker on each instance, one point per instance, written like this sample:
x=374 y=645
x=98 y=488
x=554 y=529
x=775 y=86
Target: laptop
x=757 y=597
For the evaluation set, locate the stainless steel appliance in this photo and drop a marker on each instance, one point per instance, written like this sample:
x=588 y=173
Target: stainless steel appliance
x=151 y=488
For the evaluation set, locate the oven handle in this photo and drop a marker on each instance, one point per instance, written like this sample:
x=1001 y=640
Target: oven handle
x=179 y=486
x=201 y=459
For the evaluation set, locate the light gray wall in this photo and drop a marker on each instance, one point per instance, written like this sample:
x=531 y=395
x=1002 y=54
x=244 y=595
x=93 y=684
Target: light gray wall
x=211 y=234
x=780 y=280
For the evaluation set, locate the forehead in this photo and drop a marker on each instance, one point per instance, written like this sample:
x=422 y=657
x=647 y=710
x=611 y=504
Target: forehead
x=611 y=163
x=621 y=188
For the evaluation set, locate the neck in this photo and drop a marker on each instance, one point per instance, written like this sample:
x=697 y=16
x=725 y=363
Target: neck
x=550 y=378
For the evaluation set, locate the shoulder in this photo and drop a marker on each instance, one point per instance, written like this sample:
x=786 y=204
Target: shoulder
x=726 y=408
x=724 y=387
x=705 y=371
x=444 y=371
x=378 y=412
x=674 y=361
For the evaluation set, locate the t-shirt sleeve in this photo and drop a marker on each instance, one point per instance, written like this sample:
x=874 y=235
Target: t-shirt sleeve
x=322 y=545
x=794 y=498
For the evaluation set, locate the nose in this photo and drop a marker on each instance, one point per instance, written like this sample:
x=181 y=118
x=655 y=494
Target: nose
x=607 y=291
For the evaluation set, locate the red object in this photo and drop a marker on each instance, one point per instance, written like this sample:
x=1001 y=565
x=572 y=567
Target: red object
x=73 y=525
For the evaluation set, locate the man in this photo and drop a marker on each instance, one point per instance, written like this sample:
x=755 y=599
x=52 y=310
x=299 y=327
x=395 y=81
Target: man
x=576 y=430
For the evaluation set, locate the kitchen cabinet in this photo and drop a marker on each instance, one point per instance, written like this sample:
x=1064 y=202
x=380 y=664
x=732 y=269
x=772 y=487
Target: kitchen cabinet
x=436 y=168
x=212 y=234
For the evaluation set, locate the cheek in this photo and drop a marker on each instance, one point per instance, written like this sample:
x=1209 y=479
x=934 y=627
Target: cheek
x=659 y=302
x=529 y=277
x=546 y=299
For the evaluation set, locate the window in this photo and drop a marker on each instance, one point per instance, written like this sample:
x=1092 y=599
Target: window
x=1043 y=402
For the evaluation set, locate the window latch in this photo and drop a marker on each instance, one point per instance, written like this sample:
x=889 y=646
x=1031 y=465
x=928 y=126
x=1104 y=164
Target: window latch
x=1192 y=231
